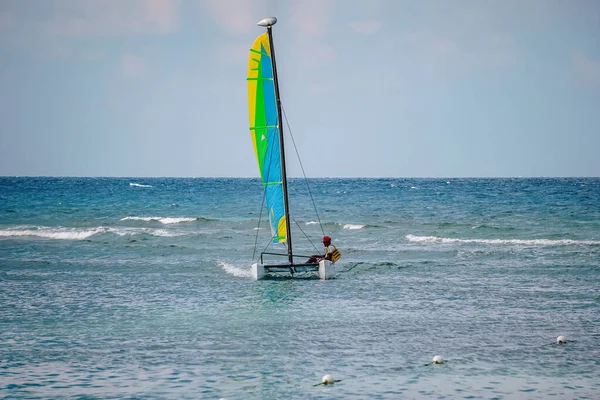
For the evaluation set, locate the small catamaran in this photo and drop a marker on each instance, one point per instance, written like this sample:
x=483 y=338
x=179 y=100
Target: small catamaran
x=266 y=129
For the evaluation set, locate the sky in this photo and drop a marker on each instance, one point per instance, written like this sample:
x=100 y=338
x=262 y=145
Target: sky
x=371 y=88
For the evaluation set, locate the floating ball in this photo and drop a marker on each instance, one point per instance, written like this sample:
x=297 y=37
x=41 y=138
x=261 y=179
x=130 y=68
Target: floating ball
x=438 y=360
x=561 y=340
x=327 y=380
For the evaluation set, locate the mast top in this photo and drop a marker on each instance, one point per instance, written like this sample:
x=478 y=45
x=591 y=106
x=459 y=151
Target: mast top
x=267 y=22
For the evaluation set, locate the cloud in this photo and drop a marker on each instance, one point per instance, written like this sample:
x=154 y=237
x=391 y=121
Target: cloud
x=112 y=17
x=6 y=19
x=132 y=65
x=236 y=17
x=586 y=69
x=451 y=52
x=433 y=50
x=366 y=27
x=234 y=52
x=312 y=17
x=310 y=21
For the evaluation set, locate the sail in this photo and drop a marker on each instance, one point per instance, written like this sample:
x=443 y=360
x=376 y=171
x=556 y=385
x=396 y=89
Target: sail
x=264 y=130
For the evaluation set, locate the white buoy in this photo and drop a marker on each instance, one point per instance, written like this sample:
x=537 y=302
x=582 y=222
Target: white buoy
x=561 y=340
x=327 y=380
x=438 y=360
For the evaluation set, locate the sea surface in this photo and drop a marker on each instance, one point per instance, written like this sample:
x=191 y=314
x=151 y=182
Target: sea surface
x=140 y=288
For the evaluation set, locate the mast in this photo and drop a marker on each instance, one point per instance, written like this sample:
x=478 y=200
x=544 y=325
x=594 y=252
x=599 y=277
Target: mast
x=268 y=23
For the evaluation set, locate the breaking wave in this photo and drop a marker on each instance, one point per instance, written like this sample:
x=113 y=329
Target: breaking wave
x=147 y=231
x=353 y=226
x=337 y=225
x=162 y=220
x=139 y=185
x=522 y=242
x=62 y=233
x=53 y=233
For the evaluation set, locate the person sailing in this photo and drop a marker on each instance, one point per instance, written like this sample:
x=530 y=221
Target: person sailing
x=330 y=249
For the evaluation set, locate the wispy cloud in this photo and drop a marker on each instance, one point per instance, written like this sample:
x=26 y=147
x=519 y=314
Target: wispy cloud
x=433 y=50
x=312 y=17
x=310 y=21
x=6 y=19
x=236 y=17
x=587 y=69
x=366 y=27
x=234 y=52
x=112 y=17
x=449 y=52
x=132 y=65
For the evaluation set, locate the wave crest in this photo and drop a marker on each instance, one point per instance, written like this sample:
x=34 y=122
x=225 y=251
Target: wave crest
x=162 y=220
x=53 y=233
x=62 y=233
x=353 y=226
x=521 y=242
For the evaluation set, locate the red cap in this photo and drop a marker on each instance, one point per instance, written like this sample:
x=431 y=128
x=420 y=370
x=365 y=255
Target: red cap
x=326 y=239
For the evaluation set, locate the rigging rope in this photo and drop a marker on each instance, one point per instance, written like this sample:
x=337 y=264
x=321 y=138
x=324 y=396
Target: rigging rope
x=303 y=173
x=306 y=236
x=307 y=187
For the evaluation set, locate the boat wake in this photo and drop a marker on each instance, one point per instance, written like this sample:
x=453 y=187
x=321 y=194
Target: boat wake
x=236 y=270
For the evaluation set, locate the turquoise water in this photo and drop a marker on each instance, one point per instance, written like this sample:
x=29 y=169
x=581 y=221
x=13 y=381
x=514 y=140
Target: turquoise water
x=140 y=288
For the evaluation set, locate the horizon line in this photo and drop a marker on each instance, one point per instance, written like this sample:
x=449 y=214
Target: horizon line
x=301 y=177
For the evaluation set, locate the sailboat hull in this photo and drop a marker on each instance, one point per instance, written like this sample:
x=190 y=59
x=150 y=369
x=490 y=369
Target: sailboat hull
x=325 y=268
x=258 y=271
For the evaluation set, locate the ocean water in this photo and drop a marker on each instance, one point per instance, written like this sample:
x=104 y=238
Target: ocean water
x=140 y=288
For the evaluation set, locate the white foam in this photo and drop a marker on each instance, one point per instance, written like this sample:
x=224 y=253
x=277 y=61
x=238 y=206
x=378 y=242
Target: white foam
x=62 y=233
x=312 y=223
x=53 y=233
x=139 y=185
x=521 y=242
x=353 y=226
x=162 y=220
x=237 y=271
x=170 y=220
x=139 y=231
x=164 y=233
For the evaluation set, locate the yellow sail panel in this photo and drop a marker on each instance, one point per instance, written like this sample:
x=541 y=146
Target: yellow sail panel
x=254 y=62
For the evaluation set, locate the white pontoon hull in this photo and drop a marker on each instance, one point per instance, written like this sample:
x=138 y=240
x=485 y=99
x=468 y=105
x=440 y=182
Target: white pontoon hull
x=325 y=268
